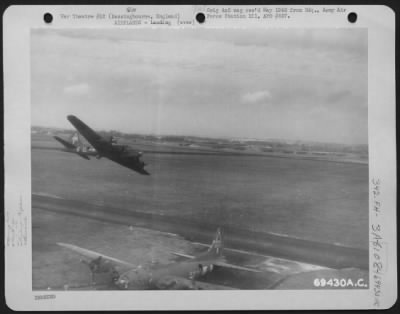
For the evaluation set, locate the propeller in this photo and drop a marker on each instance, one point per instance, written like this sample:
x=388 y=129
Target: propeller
x=204 y=269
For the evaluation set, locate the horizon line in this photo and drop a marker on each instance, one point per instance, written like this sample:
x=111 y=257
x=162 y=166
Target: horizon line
x=211 y=137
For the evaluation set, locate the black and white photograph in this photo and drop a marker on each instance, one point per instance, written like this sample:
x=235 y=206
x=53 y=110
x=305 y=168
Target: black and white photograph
x=199 y=159
x=202 y=158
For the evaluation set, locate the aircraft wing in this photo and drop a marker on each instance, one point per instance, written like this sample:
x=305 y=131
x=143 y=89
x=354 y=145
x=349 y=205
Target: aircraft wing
x=71 y=146
x=183 y=255
x=65 y=143
x=131 y=162
x=220 y=263
x=93 y=255
x=226 y=265
x=91 y=136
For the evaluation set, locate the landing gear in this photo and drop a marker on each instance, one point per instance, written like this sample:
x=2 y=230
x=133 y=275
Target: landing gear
x=114 y=275
x=93 y=267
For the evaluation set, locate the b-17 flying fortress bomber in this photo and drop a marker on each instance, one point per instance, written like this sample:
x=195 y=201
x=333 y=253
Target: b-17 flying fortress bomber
x=121 y=154
x=183 y=274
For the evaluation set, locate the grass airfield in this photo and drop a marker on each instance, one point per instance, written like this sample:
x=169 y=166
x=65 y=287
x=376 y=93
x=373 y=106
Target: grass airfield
x=311 y=200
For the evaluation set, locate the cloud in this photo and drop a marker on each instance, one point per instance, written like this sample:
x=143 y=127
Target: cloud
x=256 y=97
x=77 y=89
x=230 y=83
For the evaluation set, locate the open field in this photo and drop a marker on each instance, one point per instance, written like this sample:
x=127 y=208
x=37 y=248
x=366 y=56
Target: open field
x=57 y=268
x=190 y=146
x=307 y=209
x=313 y=200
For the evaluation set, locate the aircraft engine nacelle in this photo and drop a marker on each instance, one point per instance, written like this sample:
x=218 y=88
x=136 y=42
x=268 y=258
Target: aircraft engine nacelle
x=110 y=139
x=94 y=265
x=99 y=265
x=204 y=269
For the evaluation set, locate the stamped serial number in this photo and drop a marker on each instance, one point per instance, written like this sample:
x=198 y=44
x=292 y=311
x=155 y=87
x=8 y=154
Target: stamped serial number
x=339 y=283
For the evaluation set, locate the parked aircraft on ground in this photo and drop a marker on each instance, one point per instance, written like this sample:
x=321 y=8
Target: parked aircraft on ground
x=180 y=274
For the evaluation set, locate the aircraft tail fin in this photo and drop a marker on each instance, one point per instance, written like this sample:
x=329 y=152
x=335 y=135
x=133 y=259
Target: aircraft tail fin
x=217 y=245
x=76 y=140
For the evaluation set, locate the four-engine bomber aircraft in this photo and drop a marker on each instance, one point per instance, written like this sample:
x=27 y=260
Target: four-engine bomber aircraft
x=121 y=154
x=76 y=147
x=128 y=276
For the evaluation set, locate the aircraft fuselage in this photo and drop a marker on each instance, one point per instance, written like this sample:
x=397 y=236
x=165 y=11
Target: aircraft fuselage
x=120 y=154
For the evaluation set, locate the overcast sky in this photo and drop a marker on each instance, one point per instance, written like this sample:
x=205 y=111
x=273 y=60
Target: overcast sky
x=290 y=84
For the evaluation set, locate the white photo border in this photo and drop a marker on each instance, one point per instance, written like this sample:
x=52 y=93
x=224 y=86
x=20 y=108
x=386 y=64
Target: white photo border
x=17 y=24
